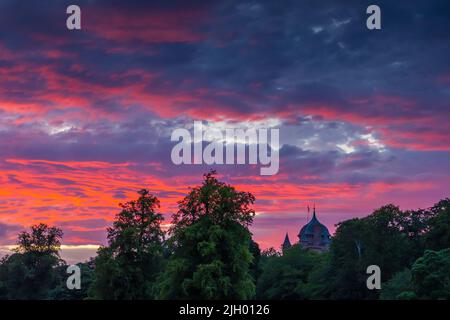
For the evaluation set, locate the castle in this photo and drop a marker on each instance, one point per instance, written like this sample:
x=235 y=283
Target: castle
x=313 y=235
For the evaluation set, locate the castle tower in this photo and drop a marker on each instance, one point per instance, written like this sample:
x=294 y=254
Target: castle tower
x=314 y=235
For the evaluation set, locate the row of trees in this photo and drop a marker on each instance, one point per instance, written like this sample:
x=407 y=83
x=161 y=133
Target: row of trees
x=208 y=253
x=412 y=249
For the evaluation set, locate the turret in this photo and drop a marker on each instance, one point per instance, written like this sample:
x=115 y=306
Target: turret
x=314 y=235
x=286 y=243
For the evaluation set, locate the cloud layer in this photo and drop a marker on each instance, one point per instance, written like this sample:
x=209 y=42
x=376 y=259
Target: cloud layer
x=86 y=116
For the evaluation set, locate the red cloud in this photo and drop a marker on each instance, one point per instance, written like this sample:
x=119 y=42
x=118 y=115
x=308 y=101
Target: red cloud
x=151 y=26
x=70 y=192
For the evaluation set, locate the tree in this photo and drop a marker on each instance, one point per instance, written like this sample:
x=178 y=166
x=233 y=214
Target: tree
x=414 y=225
x=128 y=266
x=287 y=276
x=431 y=275
x=61 y=292
x=211 y=245
x=399 y=287
x=346 y=270
x=269 y=252
x=30 y=273
x=254 y=267
x=376 y=239
x=438 y=236
x=429 y=278
x=42 y=240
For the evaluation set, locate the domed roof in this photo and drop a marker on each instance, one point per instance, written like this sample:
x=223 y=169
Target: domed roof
x=314 y=229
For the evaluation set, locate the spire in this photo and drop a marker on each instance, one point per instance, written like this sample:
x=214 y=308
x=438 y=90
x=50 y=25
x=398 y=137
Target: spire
x=314 y=211
x=286 y=243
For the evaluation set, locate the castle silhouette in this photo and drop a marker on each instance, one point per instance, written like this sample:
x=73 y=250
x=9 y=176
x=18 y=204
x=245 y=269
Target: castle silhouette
x=313 y=235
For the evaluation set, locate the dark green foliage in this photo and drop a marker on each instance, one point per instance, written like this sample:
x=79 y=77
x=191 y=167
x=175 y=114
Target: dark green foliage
x=431 y=275
x=267 y=253
x=438 y=236
x=399 y=287
x=213 y=253
x=30 y=272
x=255 y=266
x=429 y=278
x=128 y=266
x=287 y=276
x=42 y=239
x=61 y=292
x=388 y=238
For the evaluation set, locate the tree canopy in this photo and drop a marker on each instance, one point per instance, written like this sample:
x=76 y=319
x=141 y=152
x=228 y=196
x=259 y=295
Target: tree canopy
x=30 y=272
x=211 y=245
x=209 y=253
x=128 y=266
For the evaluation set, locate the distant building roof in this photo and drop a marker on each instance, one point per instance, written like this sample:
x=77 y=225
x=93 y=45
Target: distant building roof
x=314 y=234
x=286 y=243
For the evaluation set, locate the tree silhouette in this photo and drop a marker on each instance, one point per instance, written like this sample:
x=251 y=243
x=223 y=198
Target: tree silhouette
x=438 y=236
x=210 y=244
x=41 y=240
x=30 y=273
x=127 y=267
x=210 y=254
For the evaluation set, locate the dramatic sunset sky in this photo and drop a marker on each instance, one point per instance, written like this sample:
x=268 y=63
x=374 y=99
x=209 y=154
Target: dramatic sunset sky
x=86 y=116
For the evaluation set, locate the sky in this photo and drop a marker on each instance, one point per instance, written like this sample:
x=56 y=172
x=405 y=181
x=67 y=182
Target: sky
x=86 y=116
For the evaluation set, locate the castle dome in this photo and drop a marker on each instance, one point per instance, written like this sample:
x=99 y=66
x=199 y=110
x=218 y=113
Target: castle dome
x=314 y=235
